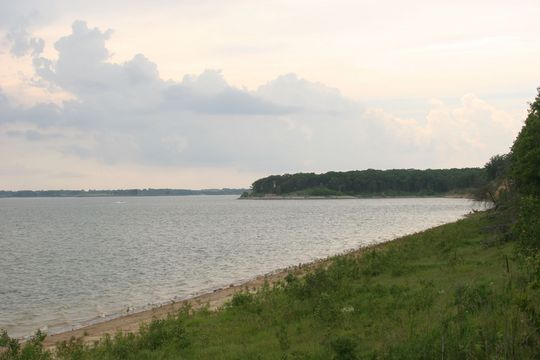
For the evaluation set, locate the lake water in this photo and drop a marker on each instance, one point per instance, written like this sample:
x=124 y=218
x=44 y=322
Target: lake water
x=65 y=262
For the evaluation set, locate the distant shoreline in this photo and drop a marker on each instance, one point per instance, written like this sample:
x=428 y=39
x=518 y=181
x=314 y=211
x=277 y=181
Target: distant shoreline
x=115 y=193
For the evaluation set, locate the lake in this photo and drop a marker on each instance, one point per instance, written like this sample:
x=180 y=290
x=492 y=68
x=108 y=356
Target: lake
x=66 y=262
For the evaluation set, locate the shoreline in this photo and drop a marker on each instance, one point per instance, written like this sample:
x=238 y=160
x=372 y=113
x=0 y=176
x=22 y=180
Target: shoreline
x=298 y=197
x=94 y=329
x=213 y=300
x=350 y=197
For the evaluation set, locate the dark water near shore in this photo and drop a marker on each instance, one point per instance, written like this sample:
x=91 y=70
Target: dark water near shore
x=67 y=261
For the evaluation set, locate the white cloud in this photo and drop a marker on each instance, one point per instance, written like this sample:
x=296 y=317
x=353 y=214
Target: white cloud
x=463 y=135
x=22 y=43
x=289 y=90
x=126 y=115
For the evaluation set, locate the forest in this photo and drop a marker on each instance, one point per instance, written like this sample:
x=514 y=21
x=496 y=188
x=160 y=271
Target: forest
x=373 y=182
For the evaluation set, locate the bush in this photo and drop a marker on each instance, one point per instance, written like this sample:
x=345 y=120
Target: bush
x=527 y=228
x=344 y=348
x=241 y=299
x=32 y=349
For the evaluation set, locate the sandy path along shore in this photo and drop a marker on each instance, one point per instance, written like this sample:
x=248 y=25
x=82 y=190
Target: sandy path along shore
x=214 y=300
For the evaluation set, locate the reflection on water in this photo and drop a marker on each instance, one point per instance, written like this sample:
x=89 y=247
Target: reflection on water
x=66 y=261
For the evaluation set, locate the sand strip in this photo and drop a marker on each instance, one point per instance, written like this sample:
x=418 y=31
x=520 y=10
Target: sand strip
x=214 y=300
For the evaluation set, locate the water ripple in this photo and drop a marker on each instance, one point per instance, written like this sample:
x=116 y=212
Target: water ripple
x=70 y=261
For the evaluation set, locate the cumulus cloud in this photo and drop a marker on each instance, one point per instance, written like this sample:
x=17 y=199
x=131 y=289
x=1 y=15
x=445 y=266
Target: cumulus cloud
x=289 y=90
x=125 y=113
x=209 y=93
x=22 y=43
x=15 y=19
x=468 y=133
x=83 y=69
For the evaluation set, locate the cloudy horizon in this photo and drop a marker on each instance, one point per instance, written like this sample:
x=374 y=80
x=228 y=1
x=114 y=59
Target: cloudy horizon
x=208 y=95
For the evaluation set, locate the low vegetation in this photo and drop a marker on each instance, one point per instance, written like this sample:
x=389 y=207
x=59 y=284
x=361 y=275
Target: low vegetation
x=466 y=290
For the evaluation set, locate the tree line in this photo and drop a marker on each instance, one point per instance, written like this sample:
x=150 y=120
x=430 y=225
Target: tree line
x=370 y=182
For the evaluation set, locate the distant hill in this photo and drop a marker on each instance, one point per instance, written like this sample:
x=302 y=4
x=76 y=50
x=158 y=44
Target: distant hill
x=125 y=192
x=372 y=183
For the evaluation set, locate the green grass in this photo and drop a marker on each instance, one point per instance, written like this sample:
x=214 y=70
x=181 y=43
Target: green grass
x=458 y=291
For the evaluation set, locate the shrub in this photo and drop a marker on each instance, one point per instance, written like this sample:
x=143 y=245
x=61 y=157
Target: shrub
x=527 y=228
x=344 y=348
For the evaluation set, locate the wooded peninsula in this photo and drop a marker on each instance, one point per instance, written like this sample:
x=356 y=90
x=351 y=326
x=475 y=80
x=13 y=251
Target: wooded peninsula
x=364 y=183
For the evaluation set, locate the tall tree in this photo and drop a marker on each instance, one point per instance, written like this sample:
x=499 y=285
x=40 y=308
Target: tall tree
x=526 y=153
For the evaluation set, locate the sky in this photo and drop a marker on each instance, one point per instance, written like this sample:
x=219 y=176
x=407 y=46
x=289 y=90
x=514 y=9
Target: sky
x=211 y=94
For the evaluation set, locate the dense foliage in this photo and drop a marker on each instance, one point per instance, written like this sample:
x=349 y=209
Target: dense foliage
x=497 y=167
x=526 y=153
x=525 y=174
x=369 y=182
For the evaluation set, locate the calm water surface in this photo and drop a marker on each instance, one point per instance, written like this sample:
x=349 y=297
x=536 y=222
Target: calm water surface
x=65 y=262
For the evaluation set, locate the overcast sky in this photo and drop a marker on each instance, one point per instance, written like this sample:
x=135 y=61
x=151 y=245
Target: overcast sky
x=200 y=94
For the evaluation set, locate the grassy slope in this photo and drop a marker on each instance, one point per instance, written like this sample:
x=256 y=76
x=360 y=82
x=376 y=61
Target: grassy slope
x=443 y=293
x=449 y=284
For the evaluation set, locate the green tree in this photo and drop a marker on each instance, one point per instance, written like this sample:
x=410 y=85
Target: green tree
x=526 y=153
x=497 y=166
